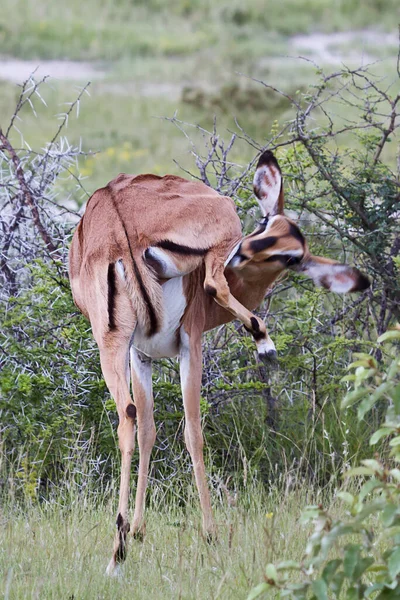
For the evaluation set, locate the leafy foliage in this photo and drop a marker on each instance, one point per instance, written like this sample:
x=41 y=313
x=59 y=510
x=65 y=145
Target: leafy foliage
x=53 y=399
x=366 y=543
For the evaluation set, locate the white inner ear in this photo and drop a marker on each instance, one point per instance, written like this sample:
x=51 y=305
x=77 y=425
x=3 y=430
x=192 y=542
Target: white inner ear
x=337 y=278
x=268 y=182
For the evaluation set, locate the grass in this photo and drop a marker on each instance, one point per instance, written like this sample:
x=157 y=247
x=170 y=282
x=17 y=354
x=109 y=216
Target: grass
x=160 y=58
x=109 y=30
x=58 y=550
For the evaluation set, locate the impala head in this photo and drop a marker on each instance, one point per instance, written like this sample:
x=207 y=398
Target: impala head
x=279 y=244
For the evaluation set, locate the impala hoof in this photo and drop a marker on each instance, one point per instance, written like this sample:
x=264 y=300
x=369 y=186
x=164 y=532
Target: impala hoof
x=269 y=358
x=138 y=535
x=211 y=538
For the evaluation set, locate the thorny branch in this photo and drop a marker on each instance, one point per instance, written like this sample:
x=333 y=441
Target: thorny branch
x=28 y=197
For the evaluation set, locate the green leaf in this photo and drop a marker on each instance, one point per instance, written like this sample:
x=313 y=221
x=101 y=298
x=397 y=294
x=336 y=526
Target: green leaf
x=385 y=431
x=395 y=395
x=352 y=593
x=373 y=464
x=389 y=514
x=346 y=497
x=351 y=557
x=368 y=403
x=330 y=569
x=395 y=473
x=288 y=564
x=271 y=572
x=393 y=334
x=258 y=590
x=369 y=509
x=361 y=566
x=391 y=532
x=337 y=582
x=353 y=397
x=368 y=487
x=359 y=471
x=320 y=589
x=394 y=563
x=374 y=588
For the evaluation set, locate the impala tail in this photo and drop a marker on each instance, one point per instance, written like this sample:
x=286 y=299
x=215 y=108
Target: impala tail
x=143 y=289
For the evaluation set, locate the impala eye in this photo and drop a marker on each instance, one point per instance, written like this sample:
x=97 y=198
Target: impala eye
x=293 y=260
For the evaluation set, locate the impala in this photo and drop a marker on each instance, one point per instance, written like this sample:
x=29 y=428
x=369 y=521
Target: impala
x=155 y=262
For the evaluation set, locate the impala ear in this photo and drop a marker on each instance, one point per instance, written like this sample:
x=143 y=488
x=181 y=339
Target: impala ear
x=334 y=276
x=267 y=185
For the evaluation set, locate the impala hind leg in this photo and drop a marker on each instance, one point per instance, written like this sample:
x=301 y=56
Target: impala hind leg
x=216 y=285
x=143 y=396
x=190 y=372
x=115 y=367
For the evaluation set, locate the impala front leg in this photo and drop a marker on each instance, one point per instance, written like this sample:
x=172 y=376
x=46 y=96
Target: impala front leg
x=215 y=285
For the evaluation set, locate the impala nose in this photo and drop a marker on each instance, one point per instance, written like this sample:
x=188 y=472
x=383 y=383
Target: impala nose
x=363 y=283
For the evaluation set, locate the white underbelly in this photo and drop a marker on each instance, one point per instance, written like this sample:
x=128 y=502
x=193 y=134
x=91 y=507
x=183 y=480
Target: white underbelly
x=165 y=343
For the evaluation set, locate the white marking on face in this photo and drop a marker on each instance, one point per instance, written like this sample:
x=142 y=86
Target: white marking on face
x=235 y=262
x=232 y=254
x=165 y=343
x=298 y=252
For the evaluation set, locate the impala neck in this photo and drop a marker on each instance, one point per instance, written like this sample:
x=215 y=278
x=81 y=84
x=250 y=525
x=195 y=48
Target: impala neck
x=247 y=287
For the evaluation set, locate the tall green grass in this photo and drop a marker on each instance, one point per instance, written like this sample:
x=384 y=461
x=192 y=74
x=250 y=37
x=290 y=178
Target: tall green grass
x=59 y=547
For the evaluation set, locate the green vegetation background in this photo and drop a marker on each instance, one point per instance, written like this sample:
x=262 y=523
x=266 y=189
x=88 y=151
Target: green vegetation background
x=266 y=458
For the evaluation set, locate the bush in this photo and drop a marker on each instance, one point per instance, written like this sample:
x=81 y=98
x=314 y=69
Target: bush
x=54 y=404
x=366 y=545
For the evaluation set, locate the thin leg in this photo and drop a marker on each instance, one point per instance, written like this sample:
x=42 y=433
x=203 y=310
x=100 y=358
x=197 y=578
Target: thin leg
x=114 y=364
x=216 y=286
x=143 y=396
x=190 y=371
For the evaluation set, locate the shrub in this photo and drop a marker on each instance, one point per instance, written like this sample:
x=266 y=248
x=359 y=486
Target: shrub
x=357 y=556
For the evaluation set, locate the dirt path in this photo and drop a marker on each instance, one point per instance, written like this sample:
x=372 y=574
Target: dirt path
x=325 y=49
x=345 y=46
x=16 y=71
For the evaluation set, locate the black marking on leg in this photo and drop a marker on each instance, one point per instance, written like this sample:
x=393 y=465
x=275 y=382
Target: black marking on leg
x=258 y=335
x=138 y=535
x=112 y=291
x=263 y=243
x=255 y=324
x=210 y=290
x=120 y=520
x=131 y=411
x=255 y=330
x=150 y=308
x=123 y=530
x=181 y=249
